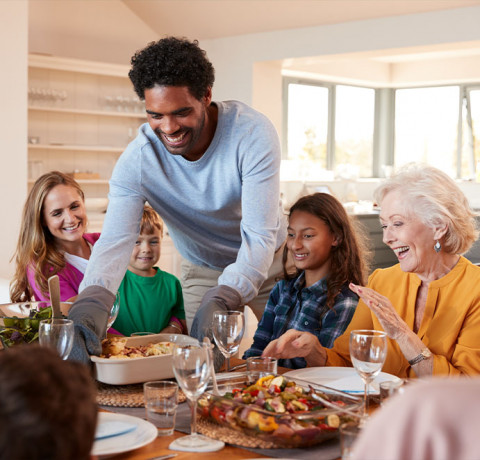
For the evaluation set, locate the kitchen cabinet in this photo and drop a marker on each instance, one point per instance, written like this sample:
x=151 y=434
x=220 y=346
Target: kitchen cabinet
x=382 y=255
x=81 y=116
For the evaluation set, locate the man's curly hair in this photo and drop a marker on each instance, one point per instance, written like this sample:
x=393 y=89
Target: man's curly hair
x=172 y=61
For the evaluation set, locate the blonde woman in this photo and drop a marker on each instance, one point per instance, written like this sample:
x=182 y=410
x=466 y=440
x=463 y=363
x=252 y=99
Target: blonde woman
x=53 y=239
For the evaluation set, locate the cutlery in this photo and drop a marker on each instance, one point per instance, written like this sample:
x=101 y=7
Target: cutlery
x=207 y=341
x=327 y=403
x=54 y=290
x=238 y=366
x=163 y=457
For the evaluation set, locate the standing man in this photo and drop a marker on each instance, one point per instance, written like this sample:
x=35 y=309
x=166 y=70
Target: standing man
x=211 y=170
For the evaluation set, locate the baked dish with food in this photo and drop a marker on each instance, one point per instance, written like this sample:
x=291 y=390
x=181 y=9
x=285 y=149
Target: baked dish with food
x=117 y=348
x=129 y=360
x=280 y=410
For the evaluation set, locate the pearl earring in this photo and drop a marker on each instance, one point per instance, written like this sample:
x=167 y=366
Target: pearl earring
x=437 y=247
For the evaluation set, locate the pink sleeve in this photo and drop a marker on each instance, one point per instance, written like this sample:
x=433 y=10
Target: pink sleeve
x=69 y=278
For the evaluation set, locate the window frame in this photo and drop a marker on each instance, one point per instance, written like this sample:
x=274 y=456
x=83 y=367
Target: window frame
x=383 y=147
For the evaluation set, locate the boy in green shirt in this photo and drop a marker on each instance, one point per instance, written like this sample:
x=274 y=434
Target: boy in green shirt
x=151 y=300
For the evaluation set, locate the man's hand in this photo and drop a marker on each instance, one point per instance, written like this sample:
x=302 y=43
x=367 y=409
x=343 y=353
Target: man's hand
x=90 y=314
x=218 y=298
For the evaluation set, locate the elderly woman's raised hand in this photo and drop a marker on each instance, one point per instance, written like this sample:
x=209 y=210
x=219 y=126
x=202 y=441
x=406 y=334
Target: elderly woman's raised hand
x=297 y=344
x=383 y=309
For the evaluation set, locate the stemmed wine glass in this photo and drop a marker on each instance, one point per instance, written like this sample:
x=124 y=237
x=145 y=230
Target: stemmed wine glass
x=368 y=350
x=192 y=367
x=228 y=329
x=58 y=334
x=114 y=311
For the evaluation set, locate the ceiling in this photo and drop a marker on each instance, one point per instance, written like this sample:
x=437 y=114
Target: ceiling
x=210 y=19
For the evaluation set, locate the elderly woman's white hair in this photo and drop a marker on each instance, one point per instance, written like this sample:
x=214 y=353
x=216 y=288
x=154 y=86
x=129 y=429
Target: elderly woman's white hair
x=435 y=199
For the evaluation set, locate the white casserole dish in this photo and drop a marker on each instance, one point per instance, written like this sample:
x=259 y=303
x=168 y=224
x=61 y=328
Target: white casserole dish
x=139 y=370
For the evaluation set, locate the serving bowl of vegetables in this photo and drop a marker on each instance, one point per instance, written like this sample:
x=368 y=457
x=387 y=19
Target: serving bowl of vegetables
x=19 y=322
x=277 y=409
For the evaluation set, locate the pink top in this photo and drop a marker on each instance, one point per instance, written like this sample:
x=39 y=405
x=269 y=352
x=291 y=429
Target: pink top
x=70 y=277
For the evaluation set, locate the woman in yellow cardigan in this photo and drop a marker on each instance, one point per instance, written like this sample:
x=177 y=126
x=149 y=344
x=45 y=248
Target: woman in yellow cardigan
x=428 y=303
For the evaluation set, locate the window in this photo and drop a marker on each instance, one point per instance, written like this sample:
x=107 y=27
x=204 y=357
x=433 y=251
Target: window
x=331 y=127
x=473 y=100
x=359 y=131
x=354 y=126
x=307 y=123
x=426 y=122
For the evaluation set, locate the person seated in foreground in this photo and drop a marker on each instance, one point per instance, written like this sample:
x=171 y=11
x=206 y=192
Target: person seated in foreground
x=150 y=299
x=428 y=303
x=328 y=255
x=434 y=419
x=48 y=406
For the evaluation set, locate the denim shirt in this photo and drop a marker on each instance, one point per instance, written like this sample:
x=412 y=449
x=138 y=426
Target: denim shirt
x=291 y=305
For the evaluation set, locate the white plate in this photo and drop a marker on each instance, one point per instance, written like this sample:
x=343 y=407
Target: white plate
x=341 y=378
x=144 y=434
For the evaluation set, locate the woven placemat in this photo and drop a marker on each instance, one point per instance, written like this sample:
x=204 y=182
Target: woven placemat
x=124 y=395
x=231 y=436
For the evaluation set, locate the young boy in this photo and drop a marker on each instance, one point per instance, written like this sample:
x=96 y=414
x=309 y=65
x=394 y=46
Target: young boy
x=151 y=300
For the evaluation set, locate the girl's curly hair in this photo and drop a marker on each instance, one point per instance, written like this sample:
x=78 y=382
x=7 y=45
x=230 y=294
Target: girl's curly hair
x=172 y=61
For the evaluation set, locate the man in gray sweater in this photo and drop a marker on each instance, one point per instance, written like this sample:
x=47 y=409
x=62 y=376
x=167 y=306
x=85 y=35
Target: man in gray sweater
x=211 y=170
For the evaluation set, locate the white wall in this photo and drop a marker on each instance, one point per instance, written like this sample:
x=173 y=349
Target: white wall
x=234 y=57
x=99 y=30
x=13 y=125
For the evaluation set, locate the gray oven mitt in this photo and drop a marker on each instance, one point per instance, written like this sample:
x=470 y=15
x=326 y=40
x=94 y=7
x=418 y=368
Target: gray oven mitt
x=218 y=298
x=90 y=315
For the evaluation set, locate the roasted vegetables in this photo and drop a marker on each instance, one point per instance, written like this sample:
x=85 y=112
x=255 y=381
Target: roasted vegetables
x=278 y=409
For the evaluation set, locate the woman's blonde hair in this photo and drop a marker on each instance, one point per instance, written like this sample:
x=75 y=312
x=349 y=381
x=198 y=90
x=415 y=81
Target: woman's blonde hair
x=435 y=198
x=36 y=250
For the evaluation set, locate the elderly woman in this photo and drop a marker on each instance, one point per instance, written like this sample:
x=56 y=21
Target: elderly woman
x=429 y=303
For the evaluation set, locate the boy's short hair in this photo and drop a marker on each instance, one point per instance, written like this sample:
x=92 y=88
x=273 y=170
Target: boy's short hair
x=48 y=406
x=150 y=221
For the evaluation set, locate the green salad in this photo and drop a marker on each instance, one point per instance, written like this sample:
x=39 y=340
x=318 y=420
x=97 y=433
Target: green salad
x=16 y=330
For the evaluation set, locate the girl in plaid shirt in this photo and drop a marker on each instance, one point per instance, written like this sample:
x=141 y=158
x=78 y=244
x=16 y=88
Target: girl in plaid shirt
x=328 y=254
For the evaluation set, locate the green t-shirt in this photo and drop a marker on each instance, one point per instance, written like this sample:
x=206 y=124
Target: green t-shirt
x=147 y=303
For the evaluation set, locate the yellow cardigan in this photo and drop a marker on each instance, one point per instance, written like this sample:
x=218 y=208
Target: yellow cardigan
x=450 y=327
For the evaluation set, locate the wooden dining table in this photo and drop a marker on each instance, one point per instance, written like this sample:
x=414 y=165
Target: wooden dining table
x=159 y=446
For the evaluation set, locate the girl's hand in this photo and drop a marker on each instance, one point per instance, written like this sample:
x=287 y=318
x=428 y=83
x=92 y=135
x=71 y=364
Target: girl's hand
x=297 y=344
x=392 y=323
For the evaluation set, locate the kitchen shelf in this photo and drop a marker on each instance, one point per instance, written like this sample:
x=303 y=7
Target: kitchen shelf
x=81 y=117
x=101 y=113
x=76 y=148
x=83 y=181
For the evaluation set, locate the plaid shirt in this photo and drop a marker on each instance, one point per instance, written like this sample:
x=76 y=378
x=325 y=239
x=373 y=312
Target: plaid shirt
x=293 y=306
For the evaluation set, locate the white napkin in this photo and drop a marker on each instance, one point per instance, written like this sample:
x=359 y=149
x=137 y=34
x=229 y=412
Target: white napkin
x=109 y=429
x=353 y=384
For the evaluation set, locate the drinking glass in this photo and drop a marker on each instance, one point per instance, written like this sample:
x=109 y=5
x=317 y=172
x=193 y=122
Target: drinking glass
x=114 y=311
x=228 y=329
x=192 y=367
x=58 y=334
x=368 y=350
